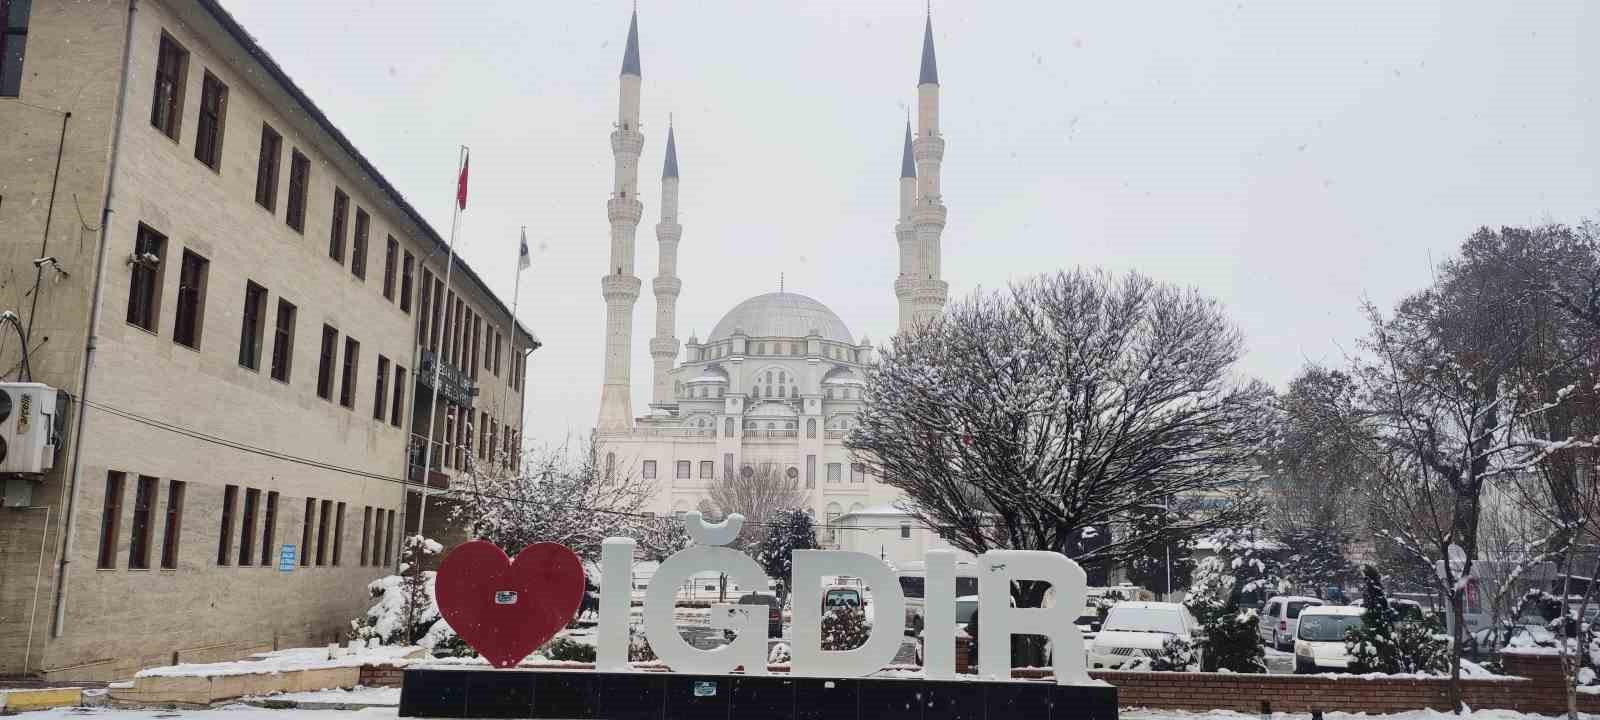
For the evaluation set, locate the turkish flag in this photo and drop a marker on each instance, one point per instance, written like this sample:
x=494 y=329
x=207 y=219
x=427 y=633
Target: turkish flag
x=461 y=184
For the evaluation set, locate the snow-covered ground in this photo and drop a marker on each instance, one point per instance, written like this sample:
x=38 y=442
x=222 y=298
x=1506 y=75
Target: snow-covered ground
x=337 y=696
x=246 y=712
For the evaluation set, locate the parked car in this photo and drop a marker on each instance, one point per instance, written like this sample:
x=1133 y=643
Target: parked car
x=1319 y=637
x=1279 y=618
x=913 y=582
x=842 y=596
x=1139 y=631
x=774 y=610
x=1484 y=643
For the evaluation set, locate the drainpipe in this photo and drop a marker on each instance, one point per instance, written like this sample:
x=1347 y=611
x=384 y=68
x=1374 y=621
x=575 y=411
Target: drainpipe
x=69 y=523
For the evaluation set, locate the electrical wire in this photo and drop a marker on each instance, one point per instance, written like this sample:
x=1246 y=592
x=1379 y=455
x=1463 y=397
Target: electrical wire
x=323 y=465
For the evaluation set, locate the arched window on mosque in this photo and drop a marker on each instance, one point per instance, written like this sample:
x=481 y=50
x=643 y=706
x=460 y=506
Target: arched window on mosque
x=781 y=378
x=611 y=465
x=727 y=428
x=794 y=391
x=747 y=472
x=770 y=427
x=781 y=390
x=811 y=428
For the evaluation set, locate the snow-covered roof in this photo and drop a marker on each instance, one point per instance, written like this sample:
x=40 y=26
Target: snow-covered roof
x=878 y=510
x=708 y=379
x=781 y=314
x=1345 y=610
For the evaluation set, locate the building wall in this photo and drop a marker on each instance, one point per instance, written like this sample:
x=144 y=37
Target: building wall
x=197 y=416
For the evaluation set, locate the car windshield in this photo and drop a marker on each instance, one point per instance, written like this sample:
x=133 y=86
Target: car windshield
x=1296 y=607
x=848 y=598
x=1406 y=612
x=1141 y=619
x=1327 y=628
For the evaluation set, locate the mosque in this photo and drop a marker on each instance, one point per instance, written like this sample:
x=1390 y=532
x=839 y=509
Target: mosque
x=777 y=384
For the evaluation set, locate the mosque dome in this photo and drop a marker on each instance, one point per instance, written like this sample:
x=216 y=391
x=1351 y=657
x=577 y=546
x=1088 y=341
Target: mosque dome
x=781 y=314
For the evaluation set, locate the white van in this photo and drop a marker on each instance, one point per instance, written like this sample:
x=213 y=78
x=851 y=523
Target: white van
x=1319 y=637
x=1279 y=618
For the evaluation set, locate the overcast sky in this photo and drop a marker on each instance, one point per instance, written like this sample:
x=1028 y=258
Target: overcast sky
x=1289 y=158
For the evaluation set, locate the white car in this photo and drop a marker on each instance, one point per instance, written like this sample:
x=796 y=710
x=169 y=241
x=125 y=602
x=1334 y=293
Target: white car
x=913 y=580
x=1279 y=617
x=1319 y=637
x=1134 y=633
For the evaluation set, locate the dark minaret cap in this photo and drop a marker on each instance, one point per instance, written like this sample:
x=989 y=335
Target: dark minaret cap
x=630 y=57
x=908 y=166
x=671 y=169
x=930 y=68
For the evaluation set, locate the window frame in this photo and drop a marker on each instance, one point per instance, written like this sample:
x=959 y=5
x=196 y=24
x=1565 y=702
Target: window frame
x=283 y=341
x=306 y=534
x=380 y=395
x=144 y=285
x=407 y=281
x=211 y=121
x=398 y=406
x=391 y=258
x=350 y=375
x=247 y=526
x=172 y=524
x=166 y=113
x=230 y=497
x=339 y=224
x=111 y=519
x=358 y=244
x=9 y=34
x=327 y=360
x=188 y=320
x=267 y=167
x=299 y=186
x=146 y=492
x=252 y=326
x=269 y=528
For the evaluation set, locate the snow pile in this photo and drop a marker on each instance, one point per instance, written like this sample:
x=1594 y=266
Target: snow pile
x=295 y=659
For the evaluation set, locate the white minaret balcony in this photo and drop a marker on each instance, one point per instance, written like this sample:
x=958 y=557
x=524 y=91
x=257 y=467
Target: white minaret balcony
x=929 y=213
x=666 y=286
x=627 y=142
x=664 y=346
x=623 y=288
x=627 y=210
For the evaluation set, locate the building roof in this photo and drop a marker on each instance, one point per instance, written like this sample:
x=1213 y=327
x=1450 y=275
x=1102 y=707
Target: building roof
x=277 y=74
x=877 y=511
x=630 y=56
x=781 y=314
x=930 y=67
x=908 y=166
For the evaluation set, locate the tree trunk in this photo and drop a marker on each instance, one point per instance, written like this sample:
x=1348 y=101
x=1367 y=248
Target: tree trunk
x=1458 y=596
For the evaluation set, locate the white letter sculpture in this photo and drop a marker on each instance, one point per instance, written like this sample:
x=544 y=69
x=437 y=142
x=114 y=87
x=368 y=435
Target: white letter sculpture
x=749 y=649
x=998 y=621
x=616 y=598
x=939 y=616
x=888 y=615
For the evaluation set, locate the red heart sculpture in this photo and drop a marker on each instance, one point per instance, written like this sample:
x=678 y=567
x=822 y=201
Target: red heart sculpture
x=506 y=609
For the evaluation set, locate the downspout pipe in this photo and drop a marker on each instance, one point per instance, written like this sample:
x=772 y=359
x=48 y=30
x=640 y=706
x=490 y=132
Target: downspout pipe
x=69 y=521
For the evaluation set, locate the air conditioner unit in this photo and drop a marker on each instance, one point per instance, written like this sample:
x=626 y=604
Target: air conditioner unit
x=28 y=428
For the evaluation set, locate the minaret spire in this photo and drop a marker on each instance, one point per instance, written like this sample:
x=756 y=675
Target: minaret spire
x=923 y=286
x=905 y=234
x=664 y=346
x=620 y=286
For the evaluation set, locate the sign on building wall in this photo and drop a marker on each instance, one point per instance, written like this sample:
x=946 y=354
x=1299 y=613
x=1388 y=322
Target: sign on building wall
x=286 y=558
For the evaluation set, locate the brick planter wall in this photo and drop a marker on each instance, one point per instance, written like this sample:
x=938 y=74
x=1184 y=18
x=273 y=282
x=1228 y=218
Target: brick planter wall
x=385 y=675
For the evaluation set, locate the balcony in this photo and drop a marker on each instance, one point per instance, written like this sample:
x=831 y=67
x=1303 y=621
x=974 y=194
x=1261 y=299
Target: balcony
x=644 y=432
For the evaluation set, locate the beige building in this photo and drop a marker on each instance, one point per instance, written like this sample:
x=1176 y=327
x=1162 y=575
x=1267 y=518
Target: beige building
x=245 y=316
x=776 y=386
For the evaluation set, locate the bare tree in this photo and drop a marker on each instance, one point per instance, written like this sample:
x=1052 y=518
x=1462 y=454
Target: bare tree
x=573 y=496
x=1033 y=417
x=758 y=492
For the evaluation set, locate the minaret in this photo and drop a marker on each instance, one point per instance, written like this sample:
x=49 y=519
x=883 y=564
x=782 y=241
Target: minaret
x=619 y=286
x=664 y=346
x=928 y=215
x=905 y=234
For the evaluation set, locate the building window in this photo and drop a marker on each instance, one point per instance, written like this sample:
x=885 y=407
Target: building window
x=835 y=473
x=380 y=395
x=255 y=301
x=405 y=282
x=377 y=538
x=391 y=256
x=283 y=341
x=648 y=470
x=347 y=380
x=366 y=533
x=323 y=518
x=858 y=473
x=358 y=245
x=172 y=63
x=13 y=41
x=299 y=181
x=811 y=472
x=247 y=527
x=341 y=216
x=905 y=531
x=685 y=469
x=110 y=521
x=267 y=168
x=230 y=497
x=727 y=427
x=269 y=528
x=388 y=538
x=707 y=470
x=144 y=501
x=189 y=322
x=213 y=116
x=305 y=532
x=832 y=522
x=330 y=346
x=172 y=525
x=338 y=534
x=811 y=428
x=397 y=411
x=611 y=465
x=497 y=338
x=424 y=295
x=144 y=286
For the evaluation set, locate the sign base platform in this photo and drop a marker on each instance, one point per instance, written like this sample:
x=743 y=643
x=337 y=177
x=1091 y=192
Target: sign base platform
x=588 y=694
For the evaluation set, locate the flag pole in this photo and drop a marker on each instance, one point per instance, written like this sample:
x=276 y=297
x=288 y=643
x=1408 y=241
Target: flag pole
x=433 y=404
x=516 y=294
